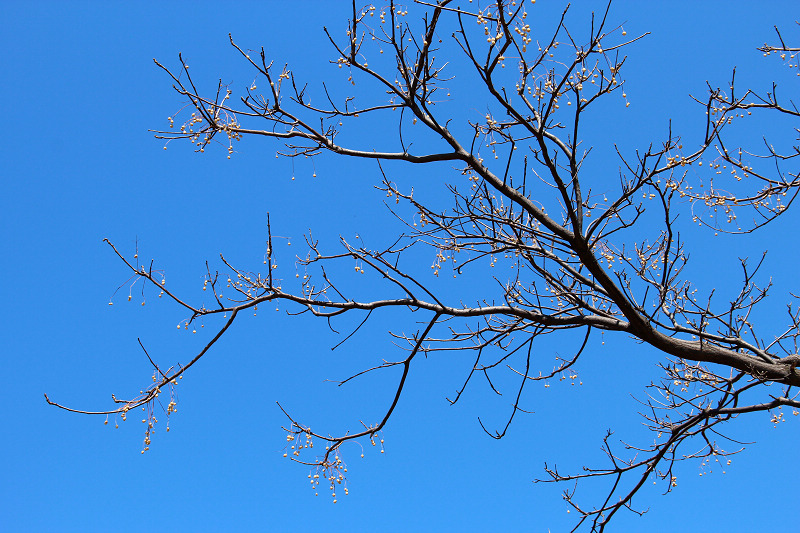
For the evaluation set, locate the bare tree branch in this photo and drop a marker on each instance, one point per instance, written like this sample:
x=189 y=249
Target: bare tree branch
x=573 y=259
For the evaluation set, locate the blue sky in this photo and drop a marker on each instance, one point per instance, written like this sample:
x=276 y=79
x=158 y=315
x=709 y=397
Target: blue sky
x=80 y=92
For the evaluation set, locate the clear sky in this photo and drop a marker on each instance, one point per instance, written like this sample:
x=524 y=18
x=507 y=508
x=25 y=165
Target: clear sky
x=80 y=92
